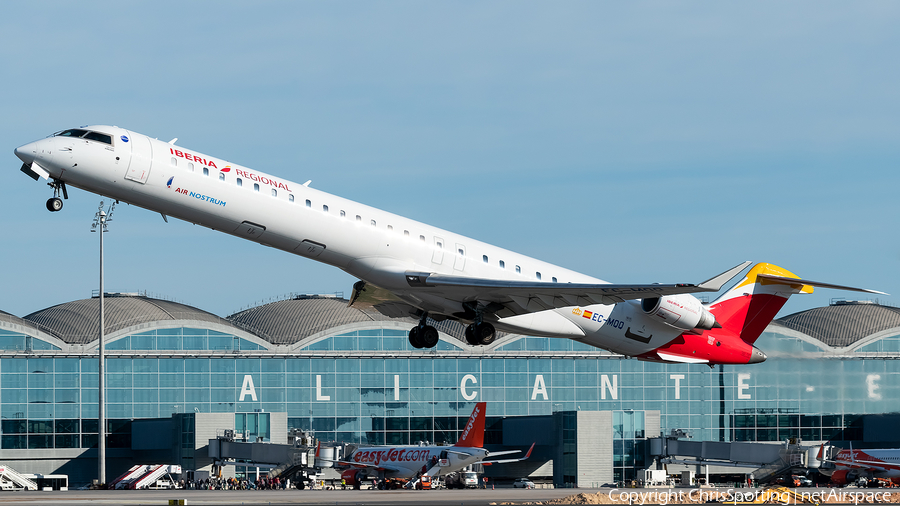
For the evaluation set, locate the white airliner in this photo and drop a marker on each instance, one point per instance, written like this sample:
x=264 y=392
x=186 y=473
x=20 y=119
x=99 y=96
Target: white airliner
x=410 y=462
x=408 y=267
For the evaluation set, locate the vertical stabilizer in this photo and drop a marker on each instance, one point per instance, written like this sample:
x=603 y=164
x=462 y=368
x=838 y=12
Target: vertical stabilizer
x=748 y=308
x=473 y=433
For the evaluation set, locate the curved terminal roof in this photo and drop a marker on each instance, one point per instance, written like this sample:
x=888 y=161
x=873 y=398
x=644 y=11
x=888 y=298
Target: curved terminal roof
x=15 y=320
x=844 y=323
x=77 y=322
x=290 y=321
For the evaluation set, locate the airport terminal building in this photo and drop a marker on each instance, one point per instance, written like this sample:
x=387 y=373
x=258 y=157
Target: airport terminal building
x=177 y=375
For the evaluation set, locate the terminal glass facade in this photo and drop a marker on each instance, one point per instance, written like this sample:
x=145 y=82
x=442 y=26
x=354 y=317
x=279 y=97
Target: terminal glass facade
x=369 y=386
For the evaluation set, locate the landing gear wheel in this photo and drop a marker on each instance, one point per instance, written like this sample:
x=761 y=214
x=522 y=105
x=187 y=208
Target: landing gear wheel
x=428 y=335
x=484 y=333
x=470 y=336
x=415 y=338
x=54 y=204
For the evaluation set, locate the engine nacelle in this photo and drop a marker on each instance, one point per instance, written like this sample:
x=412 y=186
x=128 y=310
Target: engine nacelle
x=844 y=476
x=351 y=477
x=680 y=311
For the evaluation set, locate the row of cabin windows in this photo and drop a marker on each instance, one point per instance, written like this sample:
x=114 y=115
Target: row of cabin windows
x=461 y=252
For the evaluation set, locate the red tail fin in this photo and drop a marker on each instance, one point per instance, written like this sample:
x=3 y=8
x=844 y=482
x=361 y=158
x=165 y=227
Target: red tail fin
x=473 y=433
x=747 y=309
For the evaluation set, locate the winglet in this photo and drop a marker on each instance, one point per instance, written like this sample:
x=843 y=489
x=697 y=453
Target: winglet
x=529 y=451
x=715 y=284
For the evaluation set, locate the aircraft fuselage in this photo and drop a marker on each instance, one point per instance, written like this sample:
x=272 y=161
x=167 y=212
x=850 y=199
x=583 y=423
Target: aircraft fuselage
x=376 y=246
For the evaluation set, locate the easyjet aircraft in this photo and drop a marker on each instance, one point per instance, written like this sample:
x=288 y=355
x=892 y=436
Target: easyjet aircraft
x=407 y=267
x=850 y=465
x=410 y=462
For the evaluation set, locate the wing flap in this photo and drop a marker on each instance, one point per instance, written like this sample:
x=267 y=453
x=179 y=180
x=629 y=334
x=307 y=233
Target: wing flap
x=521 y=297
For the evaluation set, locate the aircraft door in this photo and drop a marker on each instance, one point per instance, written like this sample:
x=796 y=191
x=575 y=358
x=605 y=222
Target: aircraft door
x=141 y=159
x=438 y=256
x=459 y=261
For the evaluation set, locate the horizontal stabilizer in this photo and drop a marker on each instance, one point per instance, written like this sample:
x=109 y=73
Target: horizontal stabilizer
x=796 y=281
x=507 y=461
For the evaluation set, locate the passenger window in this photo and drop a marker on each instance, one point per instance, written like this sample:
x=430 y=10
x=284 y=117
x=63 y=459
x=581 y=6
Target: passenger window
x=406 y=233
x=373 y=223
x=422 y=238
x=485 y=258
x=239 y=182
x=325 y=208
x=174 y=162
x=274 y=192
x=290 y=198
x=256 y=187
x=358 y=218
x=461 y=252
x=343 y=214
x=191 y=167
x=554 y=279
x=308 y=203
x=439 y=245
x=538 y=274
x=518 y=270
x=205 y=171
x=502 y=264
x=221 y=176
x=390 y=227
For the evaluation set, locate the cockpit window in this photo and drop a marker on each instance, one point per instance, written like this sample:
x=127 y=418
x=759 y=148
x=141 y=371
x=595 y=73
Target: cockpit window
x=97 y=136
x=86 y=134
x=74 y=132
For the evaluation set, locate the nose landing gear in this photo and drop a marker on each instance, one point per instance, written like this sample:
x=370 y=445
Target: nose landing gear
x=55 y=204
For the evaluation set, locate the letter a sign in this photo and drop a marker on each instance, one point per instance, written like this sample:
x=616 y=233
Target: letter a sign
x=247 y=388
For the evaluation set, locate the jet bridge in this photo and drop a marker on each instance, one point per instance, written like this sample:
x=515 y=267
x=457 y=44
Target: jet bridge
x=298 y=462
x=762 y=461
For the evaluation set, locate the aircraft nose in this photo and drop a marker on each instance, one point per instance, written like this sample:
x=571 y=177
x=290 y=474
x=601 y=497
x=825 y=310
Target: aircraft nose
x=27 y=152
x=757 y=356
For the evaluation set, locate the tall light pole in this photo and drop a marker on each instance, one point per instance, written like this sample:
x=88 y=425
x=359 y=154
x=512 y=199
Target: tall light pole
x=99 y=225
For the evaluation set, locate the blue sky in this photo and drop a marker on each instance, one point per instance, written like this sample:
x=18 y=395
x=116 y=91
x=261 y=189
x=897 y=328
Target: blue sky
x=633 y=141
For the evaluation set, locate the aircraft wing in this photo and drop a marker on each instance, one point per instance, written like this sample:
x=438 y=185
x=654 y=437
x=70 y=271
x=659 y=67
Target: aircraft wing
x=868 y=464
x=521 y=297
x=364 y=465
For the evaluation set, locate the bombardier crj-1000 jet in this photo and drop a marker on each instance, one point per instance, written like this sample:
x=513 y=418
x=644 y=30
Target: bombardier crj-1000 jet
x=407 y=267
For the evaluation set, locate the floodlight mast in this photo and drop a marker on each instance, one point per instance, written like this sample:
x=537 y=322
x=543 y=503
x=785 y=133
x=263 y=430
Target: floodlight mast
x=99 y=225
